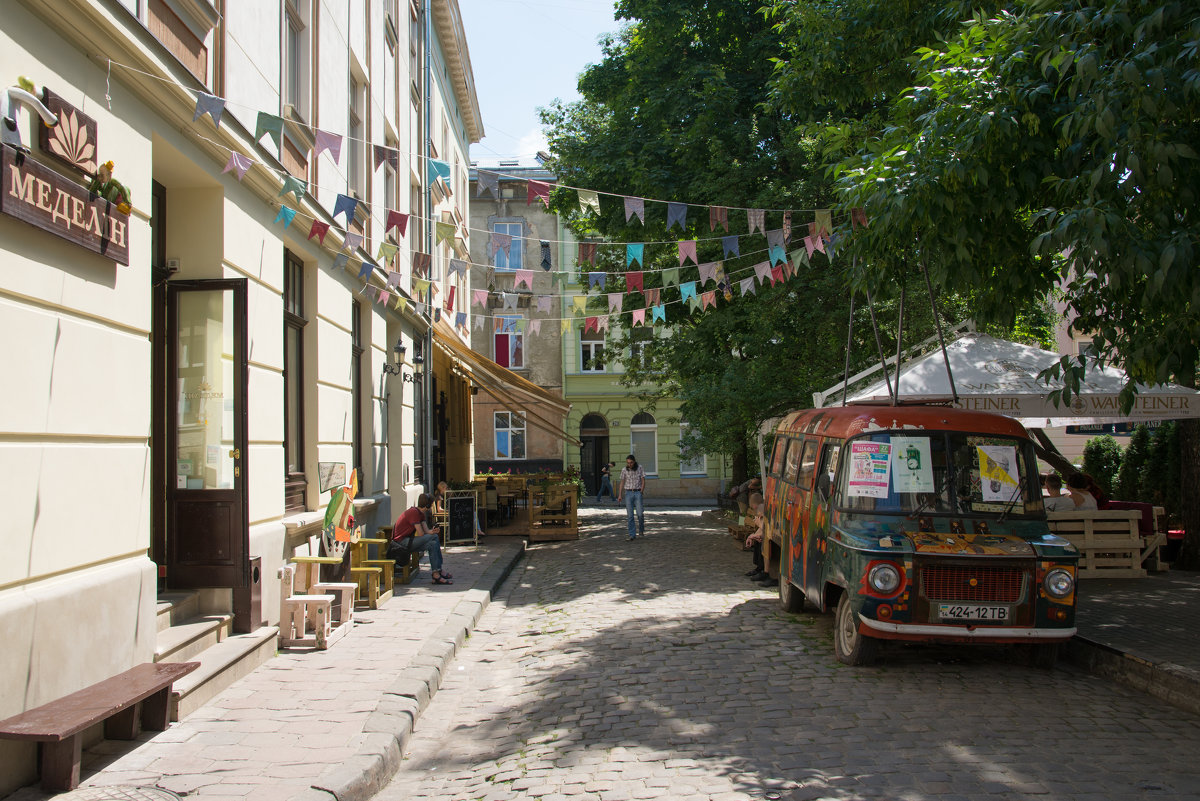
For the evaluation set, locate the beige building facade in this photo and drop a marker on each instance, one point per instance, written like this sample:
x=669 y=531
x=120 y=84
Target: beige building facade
x=190 y=379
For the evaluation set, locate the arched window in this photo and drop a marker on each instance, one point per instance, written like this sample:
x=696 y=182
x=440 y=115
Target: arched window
x=643 y=437
x=593 y=425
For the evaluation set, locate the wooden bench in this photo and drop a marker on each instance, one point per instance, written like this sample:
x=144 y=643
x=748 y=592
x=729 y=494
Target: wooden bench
x=553 y=514
x=140 y=695
x=1109 y=542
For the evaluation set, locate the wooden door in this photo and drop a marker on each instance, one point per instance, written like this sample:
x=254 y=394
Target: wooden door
x=207 y=534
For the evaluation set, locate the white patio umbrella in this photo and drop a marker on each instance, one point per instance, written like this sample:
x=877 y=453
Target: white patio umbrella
x=995 y=375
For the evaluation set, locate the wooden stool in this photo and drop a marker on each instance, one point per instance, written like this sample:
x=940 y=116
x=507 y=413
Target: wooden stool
x=368 y=577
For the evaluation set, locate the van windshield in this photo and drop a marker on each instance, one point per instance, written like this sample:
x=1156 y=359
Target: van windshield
x=937 y=472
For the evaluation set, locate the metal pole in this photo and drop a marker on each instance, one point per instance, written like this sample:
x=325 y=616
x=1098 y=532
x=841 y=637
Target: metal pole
x=887 y=376
x=941 y=340
x=899 y=339
x=849 y=335
x=427 y=146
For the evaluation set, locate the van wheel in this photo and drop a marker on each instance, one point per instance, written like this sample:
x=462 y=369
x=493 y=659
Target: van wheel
x=790 y=598
x=851 y=647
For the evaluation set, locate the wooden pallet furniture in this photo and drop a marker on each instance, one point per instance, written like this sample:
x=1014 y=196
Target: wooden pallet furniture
x=402 y=571
x=360 y=556
x=306 y=616
x=138 y=698
x=1109 y=541
x=554 y=514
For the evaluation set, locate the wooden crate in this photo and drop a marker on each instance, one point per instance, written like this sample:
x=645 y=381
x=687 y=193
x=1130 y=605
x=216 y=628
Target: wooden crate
x=1109 y=542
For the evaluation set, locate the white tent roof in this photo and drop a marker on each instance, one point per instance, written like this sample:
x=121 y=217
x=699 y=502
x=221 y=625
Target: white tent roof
x=994 y=375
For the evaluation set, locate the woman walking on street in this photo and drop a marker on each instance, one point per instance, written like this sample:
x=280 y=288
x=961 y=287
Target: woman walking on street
x=633 y=481
x=606 y=481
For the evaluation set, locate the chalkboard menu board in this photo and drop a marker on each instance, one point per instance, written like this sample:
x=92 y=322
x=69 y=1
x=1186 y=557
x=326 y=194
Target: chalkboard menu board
x=460 y=517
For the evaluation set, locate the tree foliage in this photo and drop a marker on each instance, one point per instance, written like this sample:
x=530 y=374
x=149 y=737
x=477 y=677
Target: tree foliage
x=687 y=106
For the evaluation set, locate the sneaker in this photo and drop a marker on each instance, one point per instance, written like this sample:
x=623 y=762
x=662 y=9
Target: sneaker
x=752 y=573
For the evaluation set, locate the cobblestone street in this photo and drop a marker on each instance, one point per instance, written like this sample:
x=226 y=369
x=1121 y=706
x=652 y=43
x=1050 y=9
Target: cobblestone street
x=610 y=670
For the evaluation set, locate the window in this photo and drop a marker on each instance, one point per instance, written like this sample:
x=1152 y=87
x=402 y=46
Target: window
x=509 y=343
x=356 y=359
x=510 y=436
x=355 y=137
x=643 y=437
x=295 y=483
x=777 y=460
x=639 y=338
x=414 y=45
x=792 y=469
x=295 y=56
x=808 y=465
x=591 y=351
x=512 y=259
x=697 y=464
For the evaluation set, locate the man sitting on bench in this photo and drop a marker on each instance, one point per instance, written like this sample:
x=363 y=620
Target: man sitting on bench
x=413 y=534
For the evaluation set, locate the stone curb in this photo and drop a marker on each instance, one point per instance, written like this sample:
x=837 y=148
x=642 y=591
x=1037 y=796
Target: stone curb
x=390 y=725
x=1175 y=684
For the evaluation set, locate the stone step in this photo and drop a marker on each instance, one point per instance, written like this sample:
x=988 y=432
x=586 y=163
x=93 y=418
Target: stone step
x=175 y=607
x=220 y=666
x=183 y=640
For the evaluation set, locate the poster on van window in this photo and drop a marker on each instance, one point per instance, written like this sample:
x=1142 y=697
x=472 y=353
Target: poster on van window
x=869 y=469
x=912 y=467
x=998 y=472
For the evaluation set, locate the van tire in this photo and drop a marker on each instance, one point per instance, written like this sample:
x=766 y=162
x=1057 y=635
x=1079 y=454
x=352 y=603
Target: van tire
x=1043 y=655
x=791 y=599
x=849 y=645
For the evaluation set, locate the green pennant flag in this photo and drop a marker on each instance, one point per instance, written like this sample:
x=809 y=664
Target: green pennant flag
x=294 y=186
x=269 y=123
x=445 y=231
x=670 y=276
x=387 y=251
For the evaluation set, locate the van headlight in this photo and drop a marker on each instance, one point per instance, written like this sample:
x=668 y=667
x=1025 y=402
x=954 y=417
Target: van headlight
x=1058 y=583
x=884 y=578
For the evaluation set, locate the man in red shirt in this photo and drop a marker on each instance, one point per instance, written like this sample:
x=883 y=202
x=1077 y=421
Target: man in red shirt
x=412 y=534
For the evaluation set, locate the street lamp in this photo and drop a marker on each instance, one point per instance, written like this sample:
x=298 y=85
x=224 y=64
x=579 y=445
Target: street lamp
x=398 y=367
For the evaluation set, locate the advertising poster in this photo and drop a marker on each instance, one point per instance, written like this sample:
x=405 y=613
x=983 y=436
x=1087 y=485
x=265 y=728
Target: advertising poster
x=869 y=469
x=998 y=472
x=912 y=467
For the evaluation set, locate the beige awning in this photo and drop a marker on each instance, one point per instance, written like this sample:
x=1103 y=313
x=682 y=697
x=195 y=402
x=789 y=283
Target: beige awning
x=510 y=390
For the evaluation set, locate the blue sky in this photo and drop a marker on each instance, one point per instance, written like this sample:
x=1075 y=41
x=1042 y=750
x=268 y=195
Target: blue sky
x=524 y=54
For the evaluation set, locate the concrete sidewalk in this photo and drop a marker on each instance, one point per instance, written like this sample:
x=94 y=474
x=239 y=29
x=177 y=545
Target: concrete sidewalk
x=320 y=725
x=1142 y=632
x=313 y=725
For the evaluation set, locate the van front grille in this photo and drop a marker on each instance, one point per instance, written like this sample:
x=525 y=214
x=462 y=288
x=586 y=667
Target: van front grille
x=978 y=584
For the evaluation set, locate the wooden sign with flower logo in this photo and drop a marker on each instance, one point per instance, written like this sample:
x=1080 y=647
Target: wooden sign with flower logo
x=73 y=140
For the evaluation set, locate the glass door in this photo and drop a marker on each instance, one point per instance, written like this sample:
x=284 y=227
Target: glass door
x=208 y=530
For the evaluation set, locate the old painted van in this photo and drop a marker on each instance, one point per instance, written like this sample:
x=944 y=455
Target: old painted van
x=916 y=523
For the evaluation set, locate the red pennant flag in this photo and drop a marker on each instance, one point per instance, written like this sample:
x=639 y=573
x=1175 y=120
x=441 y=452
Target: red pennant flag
x=319 y=229
x=776 y=275
x=633 y=281
x=591 y=324
x=450 y=298
x=397 y=220
x=587 y=252
x=538 y=189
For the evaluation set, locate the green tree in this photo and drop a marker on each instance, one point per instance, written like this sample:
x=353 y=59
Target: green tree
x=1053 y=144
x=1102 y=461
x=1128 y=485
x=1160 y=483
x=685 y=107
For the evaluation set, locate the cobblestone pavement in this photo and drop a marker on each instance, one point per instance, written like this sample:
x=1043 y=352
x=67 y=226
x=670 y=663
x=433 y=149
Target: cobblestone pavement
x=613 y=670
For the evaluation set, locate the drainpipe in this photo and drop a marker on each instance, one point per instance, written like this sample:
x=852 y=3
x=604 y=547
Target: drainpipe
x=427 y=139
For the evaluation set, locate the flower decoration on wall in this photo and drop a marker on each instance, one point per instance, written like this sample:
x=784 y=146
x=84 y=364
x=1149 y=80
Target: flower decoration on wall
x=69 y=140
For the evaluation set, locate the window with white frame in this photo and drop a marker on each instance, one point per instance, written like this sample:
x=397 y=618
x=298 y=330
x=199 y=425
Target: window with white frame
x=295 y=56
x=643 y=438
x=694 y=465
x=591 y=351
x=509 y=342
x=512 y=259
x=510 y=435
x=355 y=136
x=639 y=338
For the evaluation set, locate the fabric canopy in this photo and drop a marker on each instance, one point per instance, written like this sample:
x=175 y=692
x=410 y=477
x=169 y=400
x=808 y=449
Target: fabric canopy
x=510 y=390
x=998 y=376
